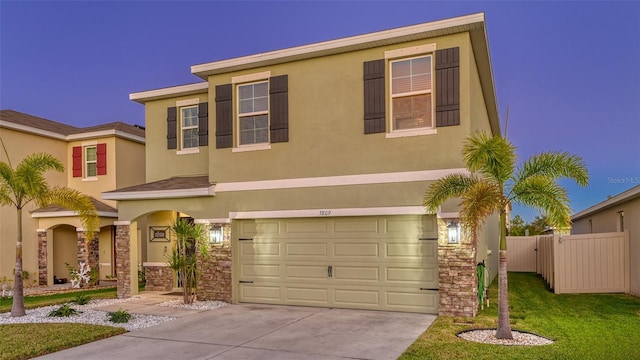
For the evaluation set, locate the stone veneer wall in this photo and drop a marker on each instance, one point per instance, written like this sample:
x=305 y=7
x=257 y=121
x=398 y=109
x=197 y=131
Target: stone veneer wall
x=123 y=261
x=158 y=278
x=88 y=251
x=458 y=276
x=214 y=282
x=42 y=258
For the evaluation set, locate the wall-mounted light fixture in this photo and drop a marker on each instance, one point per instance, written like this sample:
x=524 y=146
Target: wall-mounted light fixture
x=453 y=228
x=215 y=234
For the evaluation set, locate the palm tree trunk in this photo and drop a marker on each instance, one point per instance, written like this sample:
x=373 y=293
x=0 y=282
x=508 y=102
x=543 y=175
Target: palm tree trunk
x=17 y=307
x=504 y=326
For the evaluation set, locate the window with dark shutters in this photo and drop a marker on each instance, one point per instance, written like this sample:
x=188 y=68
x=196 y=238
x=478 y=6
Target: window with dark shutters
x=448 y=87
x=203 y=124
x=172 y=114
x=279 y=109
x=224 y=116
x=374 y=97
x=77 y=161
x=102 y=159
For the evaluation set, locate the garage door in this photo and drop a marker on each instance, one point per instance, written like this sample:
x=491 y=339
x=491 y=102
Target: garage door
x=379 y=263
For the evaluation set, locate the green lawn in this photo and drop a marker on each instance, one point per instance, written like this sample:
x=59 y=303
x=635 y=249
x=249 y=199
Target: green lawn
x=24 y=341
x=584 y=326
x=31 y=302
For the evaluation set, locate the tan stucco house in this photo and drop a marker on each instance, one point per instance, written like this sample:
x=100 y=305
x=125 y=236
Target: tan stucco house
x=617 y=213
x=95 y=159
x=309 y=166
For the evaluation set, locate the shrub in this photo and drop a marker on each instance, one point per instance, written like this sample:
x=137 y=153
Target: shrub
x=64 y=311
x=82 y=299
x=120 y=316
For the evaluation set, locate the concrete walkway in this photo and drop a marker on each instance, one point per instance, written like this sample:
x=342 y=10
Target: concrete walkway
x=250 y=331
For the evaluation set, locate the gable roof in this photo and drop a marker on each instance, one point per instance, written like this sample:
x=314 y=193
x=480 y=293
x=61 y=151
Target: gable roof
x=36 y=125
x=174 y=187
x=630 y=194
x=103 y=210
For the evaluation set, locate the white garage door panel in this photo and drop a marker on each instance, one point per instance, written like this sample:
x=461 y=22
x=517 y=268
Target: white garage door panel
x=380 y=263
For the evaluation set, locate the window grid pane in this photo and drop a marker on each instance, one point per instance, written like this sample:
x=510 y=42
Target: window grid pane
x=412 y=112
x=254 y=129
x=189 y=127
x=253 y=98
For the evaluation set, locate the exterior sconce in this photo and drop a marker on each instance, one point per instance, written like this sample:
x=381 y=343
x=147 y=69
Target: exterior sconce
x=453 y=230
x=215 y=234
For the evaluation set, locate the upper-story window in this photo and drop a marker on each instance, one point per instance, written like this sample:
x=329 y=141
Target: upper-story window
x=253 y=113
x=412 y=91
x=411 y=85
x=90 y=160
x=189 y=127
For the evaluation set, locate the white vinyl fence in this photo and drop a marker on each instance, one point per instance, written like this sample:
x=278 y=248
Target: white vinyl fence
x=589 y=263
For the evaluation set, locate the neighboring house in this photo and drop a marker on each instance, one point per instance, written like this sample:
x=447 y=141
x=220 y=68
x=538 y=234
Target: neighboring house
x=95 y=159
x=617 y=213
x=309 y=166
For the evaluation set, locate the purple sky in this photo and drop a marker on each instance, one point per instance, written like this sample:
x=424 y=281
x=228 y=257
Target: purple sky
x=569 y=71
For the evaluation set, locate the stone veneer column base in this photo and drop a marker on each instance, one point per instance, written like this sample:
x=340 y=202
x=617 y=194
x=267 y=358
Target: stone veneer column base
x=214 y=282
x=158 y=278
x=42 y=258
x=123 y=260
x=458 y=280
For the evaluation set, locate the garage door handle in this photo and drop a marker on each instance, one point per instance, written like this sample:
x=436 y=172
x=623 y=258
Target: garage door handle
x=245 y=282
x=429 y=289
x=330 y=270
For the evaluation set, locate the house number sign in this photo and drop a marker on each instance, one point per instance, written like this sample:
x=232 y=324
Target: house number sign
x=325 y=212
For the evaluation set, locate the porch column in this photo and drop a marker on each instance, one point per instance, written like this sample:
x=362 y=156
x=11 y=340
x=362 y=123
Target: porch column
x=88 y=250
x=123 y=258
x=42 y=257
x=458 y=276
x=214 y=282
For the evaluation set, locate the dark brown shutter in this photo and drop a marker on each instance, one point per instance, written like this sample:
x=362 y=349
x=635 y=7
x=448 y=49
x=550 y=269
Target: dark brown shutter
x=172 y=114
x=224 y=116
x=203 y=124
x=374 y=98
x=448 y=87
x=279 y=108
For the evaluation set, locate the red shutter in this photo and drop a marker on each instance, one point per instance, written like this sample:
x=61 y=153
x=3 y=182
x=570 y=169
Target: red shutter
x=77 y=161
x=101 y=151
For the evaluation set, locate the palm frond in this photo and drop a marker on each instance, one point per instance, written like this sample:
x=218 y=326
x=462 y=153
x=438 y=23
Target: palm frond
x=481 y=200
x=73 y=200
x=492 y=156
x=555 y=165
x=450 y=186
x=544 y=194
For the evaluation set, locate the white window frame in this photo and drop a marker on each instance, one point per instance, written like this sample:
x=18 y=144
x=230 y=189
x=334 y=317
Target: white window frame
x=86 y=162
x=245 y=80
x=414 y=52
x=184 y=128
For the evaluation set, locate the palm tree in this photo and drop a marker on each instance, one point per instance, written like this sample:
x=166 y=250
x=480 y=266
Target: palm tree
x=494 y=182
x=26 y=184
x=189 y=246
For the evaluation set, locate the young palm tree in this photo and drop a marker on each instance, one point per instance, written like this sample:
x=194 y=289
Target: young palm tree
x=189 y=246
x=26 y=184
x=494 y=183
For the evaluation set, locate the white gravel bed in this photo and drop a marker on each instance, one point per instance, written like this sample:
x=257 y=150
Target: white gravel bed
x=198 y=305
x=88 y=315
x=488 y=336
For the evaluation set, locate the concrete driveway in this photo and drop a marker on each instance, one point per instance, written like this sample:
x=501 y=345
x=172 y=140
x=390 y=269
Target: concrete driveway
x=250 y=331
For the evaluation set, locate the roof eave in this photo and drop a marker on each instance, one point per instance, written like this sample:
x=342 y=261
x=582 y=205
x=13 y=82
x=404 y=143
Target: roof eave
x=168 y=92
x=348 y=44
x=613 y=201
x=159 y=194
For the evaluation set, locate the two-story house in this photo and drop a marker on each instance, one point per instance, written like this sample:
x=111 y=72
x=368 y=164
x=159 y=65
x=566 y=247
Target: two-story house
x=309 y=165
x=95 y=159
